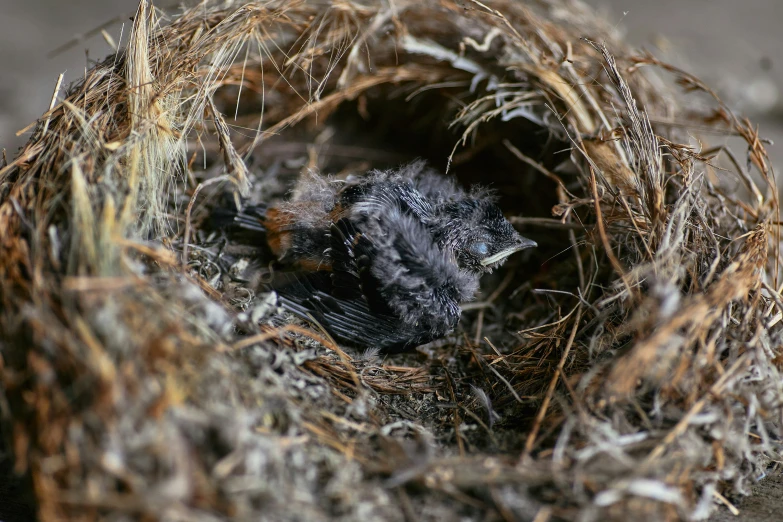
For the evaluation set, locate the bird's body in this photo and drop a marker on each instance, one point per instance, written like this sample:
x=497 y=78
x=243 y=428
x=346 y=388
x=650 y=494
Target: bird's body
x=386 y=260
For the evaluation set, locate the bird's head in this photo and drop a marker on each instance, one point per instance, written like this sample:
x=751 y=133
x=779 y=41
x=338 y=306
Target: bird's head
x=475 y=230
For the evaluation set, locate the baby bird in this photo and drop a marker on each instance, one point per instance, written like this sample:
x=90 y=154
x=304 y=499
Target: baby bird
x=384 y=260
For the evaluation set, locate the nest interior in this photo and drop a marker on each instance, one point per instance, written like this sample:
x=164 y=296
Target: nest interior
x=628 y=366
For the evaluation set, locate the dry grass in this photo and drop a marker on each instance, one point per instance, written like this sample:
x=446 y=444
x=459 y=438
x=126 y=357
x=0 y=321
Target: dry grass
x=629 y=367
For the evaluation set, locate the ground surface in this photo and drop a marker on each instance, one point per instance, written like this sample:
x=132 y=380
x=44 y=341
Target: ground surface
x=733 y=44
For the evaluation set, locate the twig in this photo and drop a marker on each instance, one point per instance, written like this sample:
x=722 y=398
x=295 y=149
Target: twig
x=723 y=500
x=54 y=100
x=531 y=438
x=186 y=241
x=456 y=418
x=602 y=232
x=545 y=223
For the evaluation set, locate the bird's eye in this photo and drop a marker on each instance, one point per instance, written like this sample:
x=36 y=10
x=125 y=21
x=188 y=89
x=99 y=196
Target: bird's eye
x=479 y=248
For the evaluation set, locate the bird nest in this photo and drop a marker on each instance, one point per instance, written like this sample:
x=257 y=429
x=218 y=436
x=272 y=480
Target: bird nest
x=628 y=366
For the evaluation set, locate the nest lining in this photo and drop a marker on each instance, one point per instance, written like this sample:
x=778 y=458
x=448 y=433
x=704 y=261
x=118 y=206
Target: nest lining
x=629 y=366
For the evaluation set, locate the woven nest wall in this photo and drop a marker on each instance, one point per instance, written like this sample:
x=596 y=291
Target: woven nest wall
x=629 y=366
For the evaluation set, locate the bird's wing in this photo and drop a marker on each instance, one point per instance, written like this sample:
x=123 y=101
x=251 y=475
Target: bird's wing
x=345 y=300
x=347 y=321
x=246 y=224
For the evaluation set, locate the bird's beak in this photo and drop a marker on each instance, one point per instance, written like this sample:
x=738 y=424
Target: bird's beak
x=522 y=244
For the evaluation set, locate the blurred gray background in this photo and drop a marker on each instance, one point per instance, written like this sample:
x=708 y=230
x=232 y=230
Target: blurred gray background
x=732 y=44
x=29 y=31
